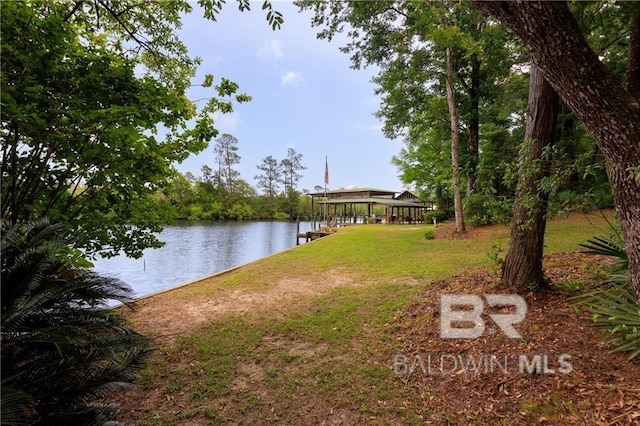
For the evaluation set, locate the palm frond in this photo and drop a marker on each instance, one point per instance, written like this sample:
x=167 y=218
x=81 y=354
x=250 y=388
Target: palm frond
x=15 y=406
x=607 y=247
x=614 y=307
x=61 y=349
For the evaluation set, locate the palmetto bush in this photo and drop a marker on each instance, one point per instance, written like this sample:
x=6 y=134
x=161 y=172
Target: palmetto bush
x=62 y=351
x=612 y=304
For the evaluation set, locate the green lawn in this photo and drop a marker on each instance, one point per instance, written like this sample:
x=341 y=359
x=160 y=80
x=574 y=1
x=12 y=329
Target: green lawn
x=316 y=355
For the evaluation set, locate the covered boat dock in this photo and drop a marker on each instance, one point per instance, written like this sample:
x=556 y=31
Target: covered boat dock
x=358 y=205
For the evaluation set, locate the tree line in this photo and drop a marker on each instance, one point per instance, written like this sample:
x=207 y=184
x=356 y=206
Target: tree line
x=220 y=193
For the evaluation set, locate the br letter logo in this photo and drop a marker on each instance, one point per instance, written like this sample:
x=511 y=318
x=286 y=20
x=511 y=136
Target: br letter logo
x=473 y=316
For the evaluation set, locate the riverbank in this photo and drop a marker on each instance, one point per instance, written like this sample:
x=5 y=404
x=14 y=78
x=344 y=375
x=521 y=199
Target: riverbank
x=310 y=336
x=196 y=250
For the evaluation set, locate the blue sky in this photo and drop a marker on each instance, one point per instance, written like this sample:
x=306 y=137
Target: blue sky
x=305 y=96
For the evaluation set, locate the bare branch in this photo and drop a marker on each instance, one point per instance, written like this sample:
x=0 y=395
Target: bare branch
x=75 y=8
x=130 y=32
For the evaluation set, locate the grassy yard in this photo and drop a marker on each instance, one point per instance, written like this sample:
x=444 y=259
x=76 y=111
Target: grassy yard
x=308 y=336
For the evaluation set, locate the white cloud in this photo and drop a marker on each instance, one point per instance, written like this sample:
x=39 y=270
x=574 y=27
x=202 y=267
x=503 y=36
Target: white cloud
x=271 y=49
x=291 y=78
x=226 y=122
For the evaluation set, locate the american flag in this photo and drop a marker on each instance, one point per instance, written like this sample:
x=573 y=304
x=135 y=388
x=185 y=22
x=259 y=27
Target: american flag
x=326 y=172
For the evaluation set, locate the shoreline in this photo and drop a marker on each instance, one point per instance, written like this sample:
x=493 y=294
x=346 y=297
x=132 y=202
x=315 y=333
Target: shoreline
x=215 y=274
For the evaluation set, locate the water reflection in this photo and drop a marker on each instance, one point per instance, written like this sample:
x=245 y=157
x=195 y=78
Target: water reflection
x=195 y=250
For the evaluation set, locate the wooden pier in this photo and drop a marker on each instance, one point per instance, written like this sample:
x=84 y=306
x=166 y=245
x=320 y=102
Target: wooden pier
x=312 y=235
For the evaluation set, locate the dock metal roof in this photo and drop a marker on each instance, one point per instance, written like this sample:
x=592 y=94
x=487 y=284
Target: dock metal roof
x=354 y=190
x=373 y=200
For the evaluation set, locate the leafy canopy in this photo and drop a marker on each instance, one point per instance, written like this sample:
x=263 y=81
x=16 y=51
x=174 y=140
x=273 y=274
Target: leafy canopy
x=94 y=114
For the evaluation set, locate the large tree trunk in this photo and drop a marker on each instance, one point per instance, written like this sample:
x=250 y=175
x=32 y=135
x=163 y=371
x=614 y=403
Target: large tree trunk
x=593 y=93
x=523 y=263
x=455 y=144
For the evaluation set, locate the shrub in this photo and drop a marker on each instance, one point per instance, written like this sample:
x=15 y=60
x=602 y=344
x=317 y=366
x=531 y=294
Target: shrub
x=483 y=209
x=429 y=234
x=613 y=305
x=195 y=213
x=62 y=351
x=439 y=215
x=280 y=216
x=240 y=212
x=565 y=202
x=603 y=198
x=614 y=308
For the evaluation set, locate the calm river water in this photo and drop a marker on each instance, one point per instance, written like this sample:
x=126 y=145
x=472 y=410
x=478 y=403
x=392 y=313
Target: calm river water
x=195 y=250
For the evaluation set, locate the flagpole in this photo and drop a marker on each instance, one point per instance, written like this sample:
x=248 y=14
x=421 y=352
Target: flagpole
x=326 y=180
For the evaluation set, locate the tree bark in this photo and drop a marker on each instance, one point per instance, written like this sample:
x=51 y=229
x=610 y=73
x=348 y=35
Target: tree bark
x=593 y=93
x=523 y=262
x=455 y=145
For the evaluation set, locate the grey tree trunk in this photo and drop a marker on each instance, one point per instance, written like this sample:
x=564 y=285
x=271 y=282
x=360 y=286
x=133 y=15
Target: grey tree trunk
x=594 y=94
x=455 y=145
x=523 y=262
